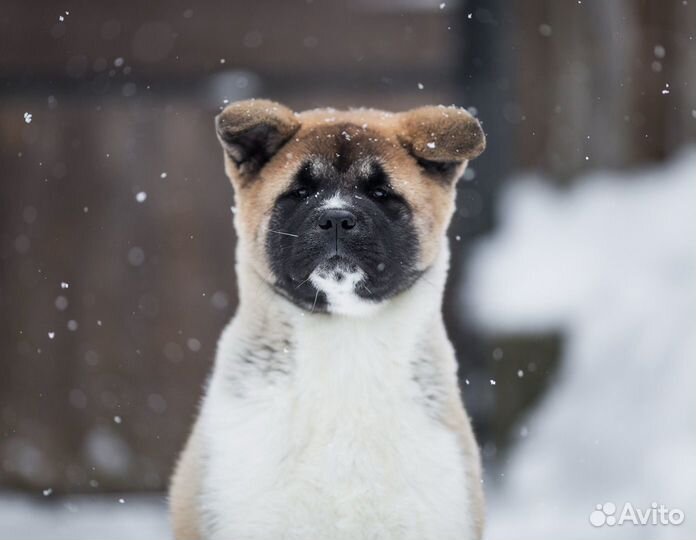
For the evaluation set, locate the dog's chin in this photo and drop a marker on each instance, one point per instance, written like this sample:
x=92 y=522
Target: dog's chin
x=339 y=281
x=335 y=286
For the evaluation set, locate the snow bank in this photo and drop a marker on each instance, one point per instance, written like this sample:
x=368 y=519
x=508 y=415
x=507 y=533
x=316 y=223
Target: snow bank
x=106 y=517
x=611 y=263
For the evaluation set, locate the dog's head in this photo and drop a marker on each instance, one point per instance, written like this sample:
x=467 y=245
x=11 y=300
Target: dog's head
x=341 y=210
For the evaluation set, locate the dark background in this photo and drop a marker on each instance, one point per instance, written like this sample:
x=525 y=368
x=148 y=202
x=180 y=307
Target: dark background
x=99 y=379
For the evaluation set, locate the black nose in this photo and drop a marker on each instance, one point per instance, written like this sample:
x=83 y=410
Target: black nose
x=337 y=218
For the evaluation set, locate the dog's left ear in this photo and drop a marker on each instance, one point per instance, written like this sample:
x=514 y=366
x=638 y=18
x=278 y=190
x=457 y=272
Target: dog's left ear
x=252 y=131
x=441 y=138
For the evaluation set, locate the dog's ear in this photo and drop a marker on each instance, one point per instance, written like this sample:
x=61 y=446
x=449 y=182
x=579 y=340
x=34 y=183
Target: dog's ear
x=252 y=131
x=441 y=138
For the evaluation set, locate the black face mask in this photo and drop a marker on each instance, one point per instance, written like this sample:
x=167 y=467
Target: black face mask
x=337 y=220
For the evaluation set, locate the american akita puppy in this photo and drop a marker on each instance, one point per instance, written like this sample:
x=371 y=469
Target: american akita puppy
x=333 y=410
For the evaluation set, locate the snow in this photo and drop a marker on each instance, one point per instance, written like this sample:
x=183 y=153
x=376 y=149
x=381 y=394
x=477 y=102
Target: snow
x=545 y=30
x=610 y=263
x=136 y=256
x=83 y=517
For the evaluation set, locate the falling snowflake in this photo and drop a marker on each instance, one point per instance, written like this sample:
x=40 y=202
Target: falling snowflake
x=27 y=117
x=118 y=419
x=51 y=335
x=492 y=381
x=163 y=175
x=46 y=492
x=64 y=285
x=141 y=196
x=420 y=86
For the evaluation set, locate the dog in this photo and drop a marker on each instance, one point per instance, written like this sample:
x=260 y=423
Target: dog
x=333 y=410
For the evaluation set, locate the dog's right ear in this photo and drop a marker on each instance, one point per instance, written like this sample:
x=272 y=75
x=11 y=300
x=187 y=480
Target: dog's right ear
x=252 y=131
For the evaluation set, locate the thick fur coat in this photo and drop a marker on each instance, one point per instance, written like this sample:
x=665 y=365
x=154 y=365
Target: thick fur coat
x=341 y=417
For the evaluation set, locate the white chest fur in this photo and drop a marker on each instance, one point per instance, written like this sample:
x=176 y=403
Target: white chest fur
x=337 y=447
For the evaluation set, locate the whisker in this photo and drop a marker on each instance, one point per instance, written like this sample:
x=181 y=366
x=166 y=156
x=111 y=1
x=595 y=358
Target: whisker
x=426 y=281
x=315 y=300
x=284 y=233
x=303 y=282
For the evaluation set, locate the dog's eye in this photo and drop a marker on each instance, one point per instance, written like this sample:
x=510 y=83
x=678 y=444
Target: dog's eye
x=378 y=193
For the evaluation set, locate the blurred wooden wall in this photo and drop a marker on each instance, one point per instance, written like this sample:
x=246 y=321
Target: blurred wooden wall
x=99 y=381
x=111 y=306
x=601 y=84
x=100 y=377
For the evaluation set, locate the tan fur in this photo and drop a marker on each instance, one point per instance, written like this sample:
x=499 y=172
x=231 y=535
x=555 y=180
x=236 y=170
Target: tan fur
x=184 y=490
x=455 y=418
x=442 y=133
